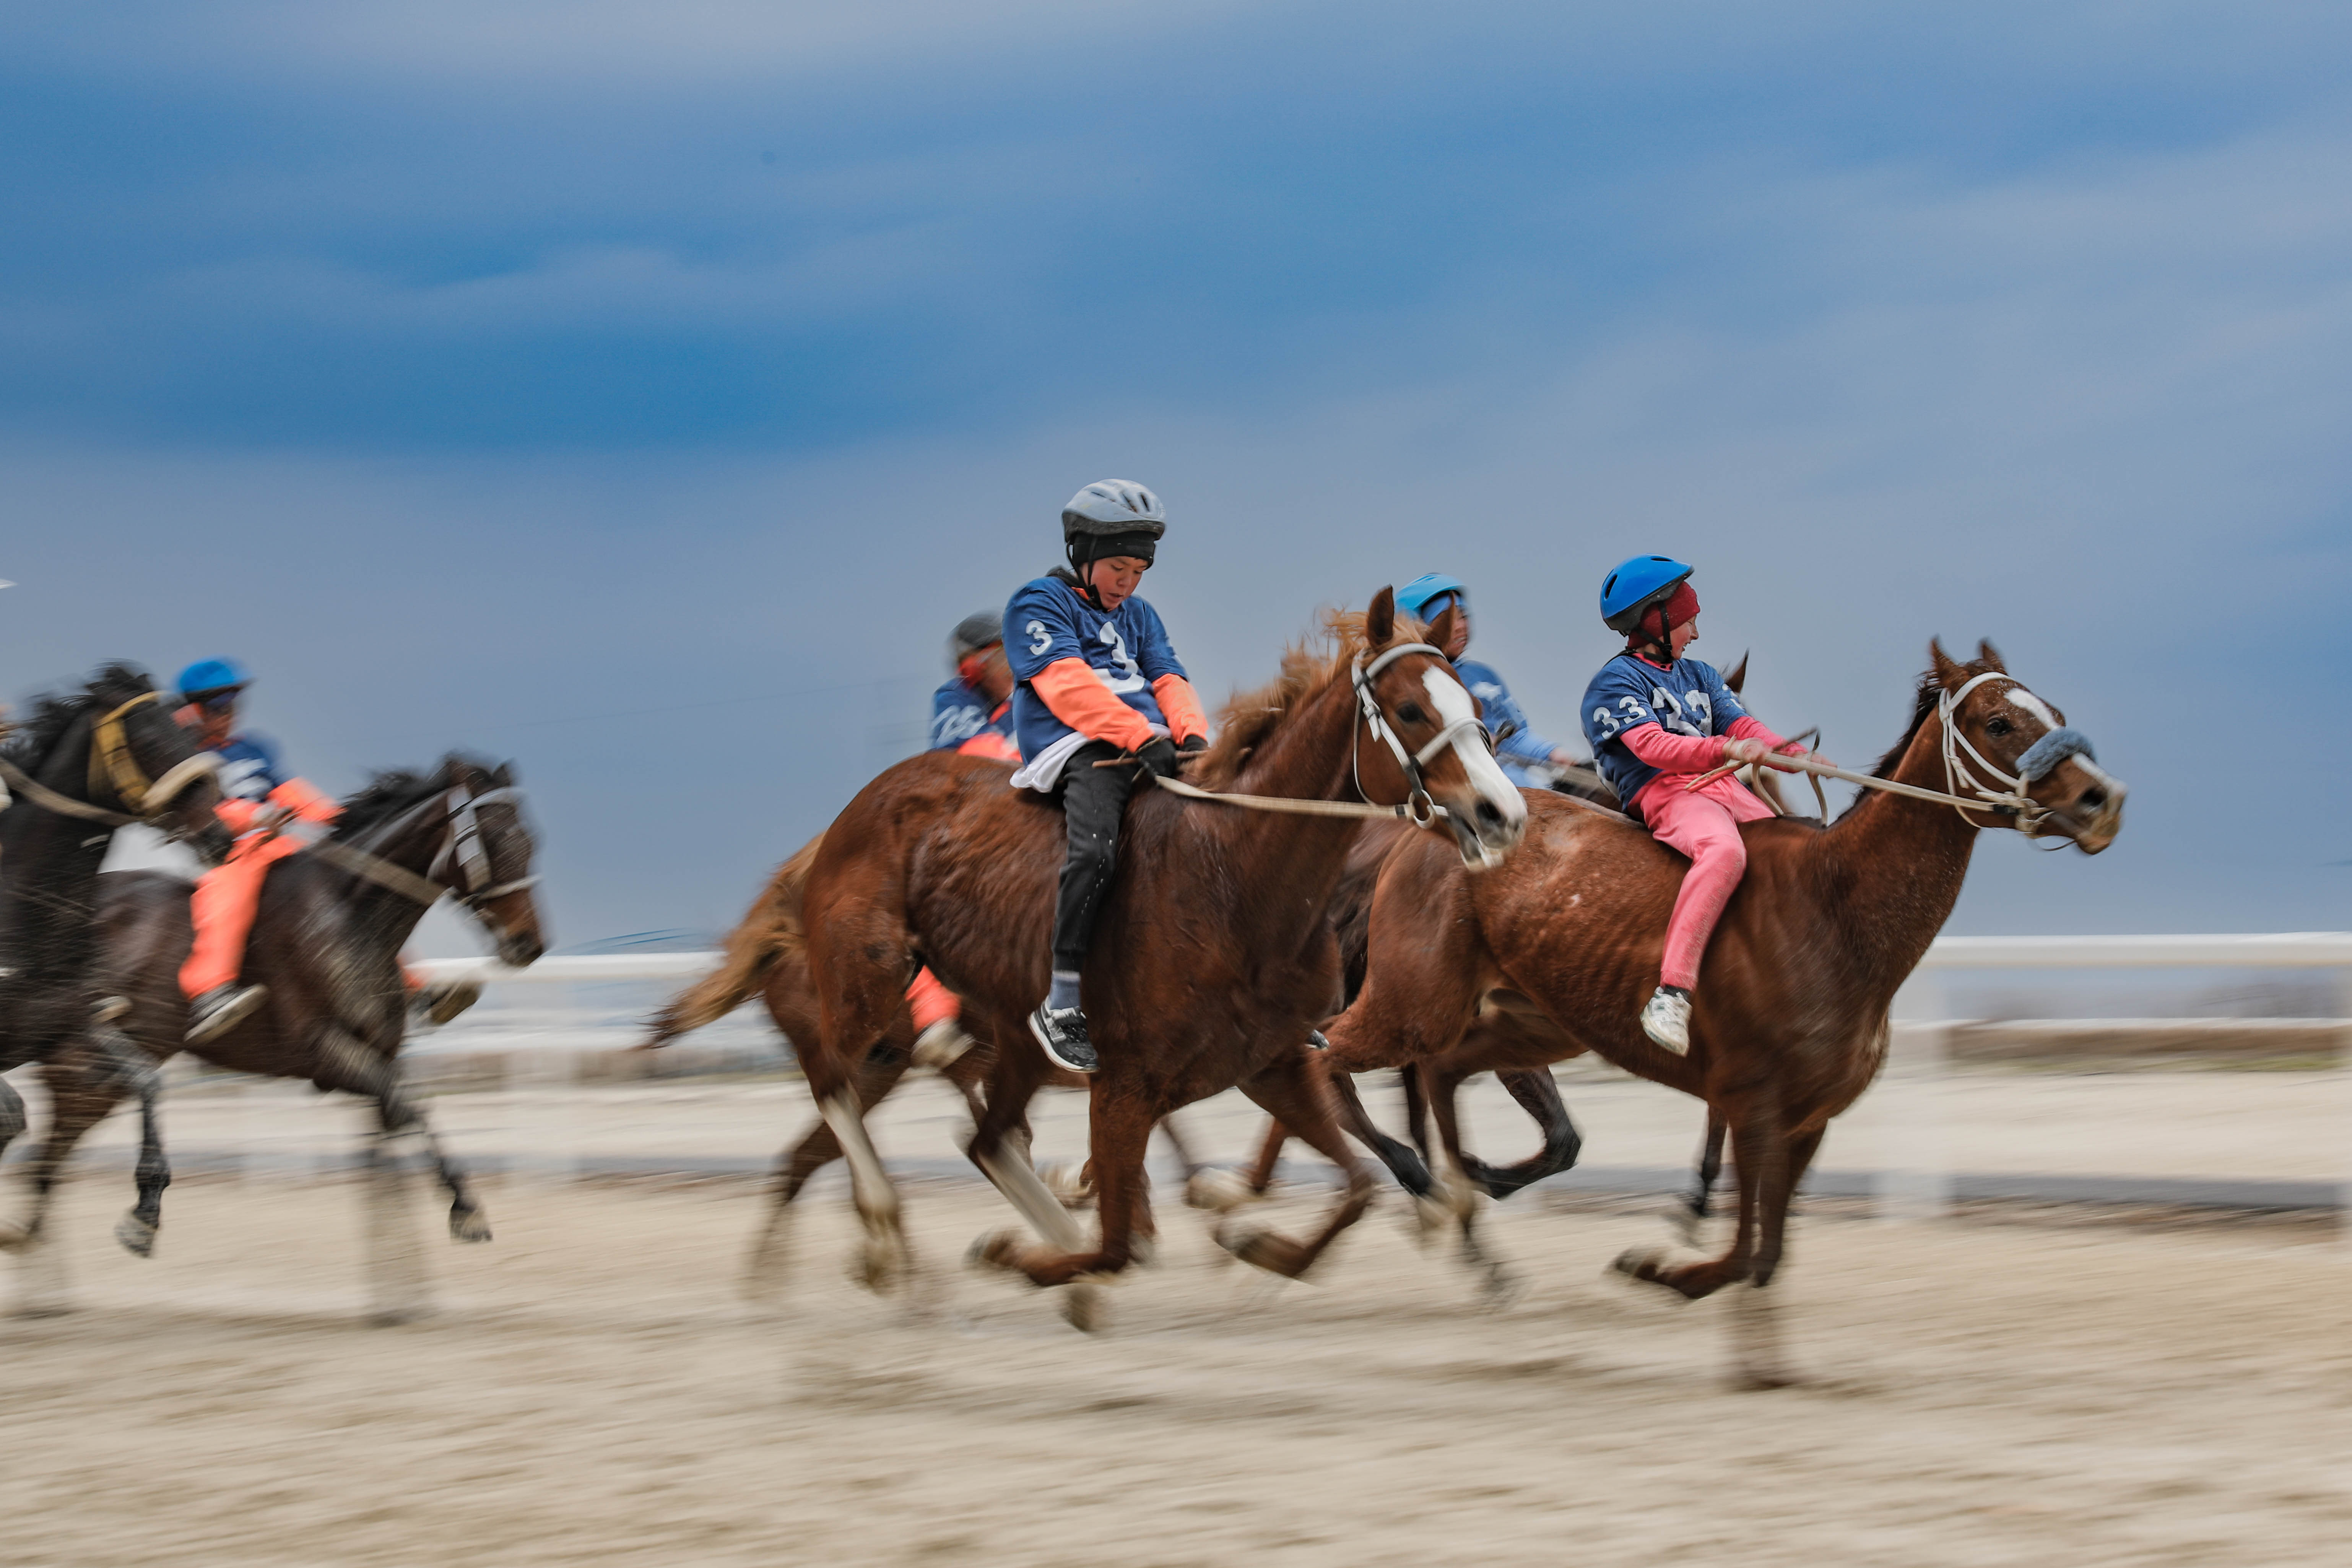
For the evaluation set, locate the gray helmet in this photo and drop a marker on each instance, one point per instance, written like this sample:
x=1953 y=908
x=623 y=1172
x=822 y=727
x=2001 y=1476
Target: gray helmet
x=974 y=632
x=1112 y=517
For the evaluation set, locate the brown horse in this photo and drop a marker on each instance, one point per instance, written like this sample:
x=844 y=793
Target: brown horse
x=1213 y=958
x=766 y=955
x=1790 y=1022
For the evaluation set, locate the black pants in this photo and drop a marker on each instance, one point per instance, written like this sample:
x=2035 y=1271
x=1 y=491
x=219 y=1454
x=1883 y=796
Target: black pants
x=1093 y=800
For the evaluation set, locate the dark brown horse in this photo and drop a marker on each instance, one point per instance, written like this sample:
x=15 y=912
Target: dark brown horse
x=1213 y=958
x=84 y=765
x=1790 y=1022
x=326 y=942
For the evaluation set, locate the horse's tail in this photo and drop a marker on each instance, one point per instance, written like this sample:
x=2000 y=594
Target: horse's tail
x=768 y=930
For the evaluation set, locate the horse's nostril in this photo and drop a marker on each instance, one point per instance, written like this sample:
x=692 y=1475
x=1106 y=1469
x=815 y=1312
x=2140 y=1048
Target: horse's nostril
x=1488 y=814
x=2092 y=798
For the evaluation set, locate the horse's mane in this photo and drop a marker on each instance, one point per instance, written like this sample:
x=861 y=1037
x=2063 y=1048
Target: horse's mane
x=395 y=791
x=1308 y=665
x=30 y=742
x=1923 y=703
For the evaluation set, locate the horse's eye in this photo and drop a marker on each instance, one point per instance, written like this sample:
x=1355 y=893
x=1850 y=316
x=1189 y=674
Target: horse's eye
x=1997 y=726
x=1411 y=713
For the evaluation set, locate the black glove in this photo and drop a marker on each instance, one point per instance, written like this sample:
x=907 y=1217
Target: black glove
x=1159 y=756
x=1191 y=743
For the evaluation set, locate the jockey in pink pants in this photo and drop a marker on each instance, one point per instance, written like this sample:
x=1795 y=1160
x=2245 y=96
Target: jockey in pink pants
x=1657 y=720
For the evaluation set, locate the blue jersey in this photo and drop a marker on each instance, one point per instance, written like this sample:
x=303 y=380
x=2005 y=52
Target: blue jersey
x=249 y=768
x=1498 y=712
x=1689 y=699
x=958 y=712
x=1049 y=621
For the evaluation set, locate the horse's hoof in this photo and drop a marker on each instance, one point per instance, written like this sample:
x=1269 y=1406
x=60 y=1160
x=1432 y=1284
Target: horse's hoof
x=877 y=1267
x=1082 y=1308
x=1219 y=1192
x=1501 y=1287
x=137 y=1236
x=468 y=1225
x=1687 y=1227
x=1266 y=1249
x=1433 y=1216
x=997 y=1249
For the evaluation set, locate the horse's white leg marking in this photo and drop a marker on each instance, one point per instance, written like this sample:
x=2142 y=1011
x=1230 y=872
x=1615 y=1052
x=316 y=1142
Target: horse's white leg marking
x=1756 y=1338
x=870 y=1189
x=1026 y=1192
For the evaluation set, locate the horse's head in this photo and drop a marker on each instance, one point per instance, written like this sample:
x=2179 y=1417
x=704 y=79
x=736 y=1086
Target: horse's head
x=487 y=857
x=1993 y=726
x=1418 y=739
x=142 y=762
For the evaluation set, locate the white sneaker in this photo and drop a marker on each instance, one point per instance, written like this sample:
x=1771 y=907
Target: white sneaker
x=937 y=1047
x=1665 y=1018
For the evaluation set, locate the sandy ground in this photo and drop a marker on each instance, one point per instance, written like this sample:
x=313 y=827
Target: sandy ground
x=594 y=1390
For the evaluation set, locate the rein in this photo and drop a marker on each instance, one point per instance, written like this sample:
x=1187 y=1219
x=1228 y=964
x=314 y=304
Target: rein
x=2010 y=800
x=463 y=846
x=1418 y=808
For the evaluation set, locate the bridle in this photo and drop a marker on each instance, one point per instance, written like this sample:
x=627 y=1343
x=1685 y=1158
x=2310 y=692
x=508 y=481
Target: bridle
x=114 y=767
x=462 y=856
x=1418 y=807
x=2011 y=799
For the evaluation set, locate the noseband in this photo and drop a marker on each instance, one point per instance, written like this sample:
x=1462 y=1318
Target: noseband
x=2039 y=760
x=1419 y=807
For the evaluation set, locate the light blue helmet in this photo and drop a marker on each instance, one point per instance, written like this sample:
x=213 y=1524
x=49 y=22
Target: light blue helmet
x=213 y=676
x=1414 y=597
x=1635 y=585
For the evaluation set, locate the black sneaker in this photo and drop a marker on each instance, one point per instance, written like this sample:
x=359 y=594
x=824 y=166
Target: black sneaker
x=221 y=1009
x=443 y=1000
x=1316 y=1042
x=1062 y=1031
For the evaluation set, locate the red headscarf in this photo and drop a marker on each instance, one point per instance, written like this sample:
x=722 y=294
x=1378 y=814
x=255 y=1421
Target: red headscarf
x=1659 y=620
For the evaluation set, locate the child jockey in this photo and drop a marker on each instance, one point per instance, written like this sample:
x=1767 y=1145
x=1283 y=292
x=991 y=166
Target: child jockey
x=256 y=796
x=971 y=714
x=1098 y=681
x=1516 y=744
x=1655 y=720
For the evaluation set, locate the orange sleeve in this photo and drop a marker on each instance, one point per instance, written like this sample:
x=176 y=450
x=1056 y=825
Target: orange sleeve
x=305 y=800
x=236 y=813
x=1181 y=705
x=988 y=744
x=1074 y=696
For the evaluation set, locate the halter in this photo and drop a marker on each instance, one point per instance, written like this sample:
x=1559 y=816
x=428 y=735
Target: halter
x=2054 y=748
x=464 y=848
x=1418 y=806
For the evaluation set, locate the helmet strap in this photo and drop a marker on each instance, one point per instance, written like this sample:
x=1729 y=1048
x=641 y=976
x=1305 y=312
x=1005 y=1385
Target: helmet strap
x=1079 y=570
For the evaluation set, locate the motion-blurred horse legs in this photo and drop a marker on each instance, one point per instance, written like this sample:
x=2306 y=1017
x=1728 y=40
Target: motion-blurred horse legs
x=1294 y=1089
x=763 y=1272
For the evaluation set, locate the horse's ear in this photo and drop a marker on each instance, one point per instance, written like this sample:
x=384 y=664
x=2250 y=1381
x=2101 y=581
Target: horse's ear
x=1380 y=621
x=504 y=777
x=1948 y=672
x=1990 y=654
x=1440 y=630
x=1739 y=676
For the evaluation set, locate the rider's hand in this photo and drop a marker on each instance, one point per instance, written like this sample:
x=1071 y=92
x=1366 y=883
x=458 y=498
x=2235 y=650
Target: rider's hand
x=1744 y=753
x=1159 y=756
x=1191 y=744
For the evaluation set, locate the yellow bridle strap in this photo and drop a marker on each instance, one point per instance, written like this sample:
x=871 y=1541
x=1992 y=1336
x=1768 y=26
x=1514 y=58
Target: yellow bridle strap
x=111 y=765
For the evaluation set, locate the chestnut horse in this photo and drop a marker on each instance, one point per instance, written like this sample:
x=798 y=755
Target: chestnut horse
x=1791 y=1023
x=1213 y=958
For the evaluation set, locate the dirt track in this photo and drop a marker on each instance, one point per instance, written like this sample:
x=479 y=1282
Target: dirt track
x=593 y=1390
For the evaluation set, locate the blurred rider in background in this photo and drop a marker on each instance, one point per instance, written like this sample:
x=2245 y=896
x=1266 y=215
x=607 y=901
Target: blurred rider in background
x=1517 y=745
x=258 y=797
x=971 y=714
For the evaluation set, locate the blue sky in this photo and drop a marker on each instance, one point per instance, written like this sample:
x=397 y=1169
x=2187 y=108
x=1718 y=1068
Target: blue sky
x=641 y=392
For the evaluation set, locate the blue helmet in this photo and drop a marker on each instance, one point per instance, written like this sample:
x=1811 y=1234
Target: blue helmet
x=1414 y=597
x=1635 y=585
x=211 y=677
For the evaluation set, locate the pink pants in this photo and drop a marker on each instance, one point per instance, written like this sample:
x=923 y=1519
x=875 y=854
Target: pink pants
x=223 y=909
x=1704 y=825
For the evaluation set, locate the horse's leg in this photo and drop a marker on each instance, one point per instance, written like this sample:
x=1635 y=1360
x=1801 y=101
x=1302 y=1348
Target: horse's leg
x=399 y=1113
x=135 y=1072
x=877 y=1075
x=79 y=1098
x=1295 y=1090
x=1403 y=1165
x=1693 y=1210
x=13 y=1118
x=1760 y=1152
x=1457 y=1196
x=1538 y=1096
x=1756 y=1321
x=1121 y=1127
x=1222 y=1192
